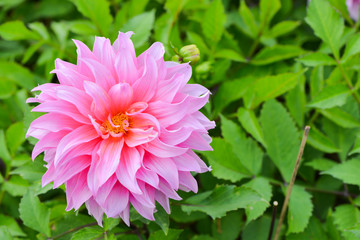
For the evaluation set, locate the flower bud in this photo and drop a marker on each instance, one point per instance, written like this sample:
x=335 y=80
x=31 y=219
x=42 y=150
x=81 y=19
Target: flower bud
x=176 y=58
x=190 y=53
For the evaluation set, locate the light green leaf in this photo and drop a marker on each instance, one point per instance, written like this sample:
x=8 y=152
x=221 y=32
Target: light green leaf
x=214 y=20
x=141 y=25
x=326 y=23
x=248 y=152
x=282 y=28
x=34 y=213
x=281 y=137
x=17 y=73
x=316 y=59
x=31 y=51
x=230 y=91
x=173 y=234
x=89 y=233
x=110 y=223
x=314 y=230
x=330 y=97
x=224 y=163
x=347 y=171
x=16 y=30
x=296 y=101
x=40 y=29
x=321 y=164
x=11 y=225
x=352 y=47
x=268 y=9
x=7 y=88
x=321 y=142
x=98 y=11
x=5 y=233
x=82 y=27
x=340 y=117
x=251 y=124
x=356 y=147
x=230 y=54
x=162 y=219
x=198 y=41
x=346 y=217
x=16 y=186
x=300 y=209
x=229 y=226
x=263 y=187
x=316 y=81
x=248 y=19
x=4 y=152
x=276 y=53
x=15 y=136
x=222 y=199
x=31 y=171
x=270 y=87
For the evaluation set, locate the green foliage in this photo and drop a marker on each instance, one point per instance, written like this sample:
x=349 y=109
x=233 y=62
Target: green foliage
x=272 y=66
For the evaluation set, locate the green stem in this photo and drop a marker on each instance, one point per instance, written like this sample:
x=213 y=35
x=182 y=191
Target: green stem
x=348 y=82
x=72 y=230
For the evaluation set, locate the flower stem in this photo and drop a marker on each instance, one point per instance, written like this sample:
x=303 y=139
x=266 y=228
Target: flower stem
x=292 y=181
x=72 y=230
x=275 y=204
x=348 y=82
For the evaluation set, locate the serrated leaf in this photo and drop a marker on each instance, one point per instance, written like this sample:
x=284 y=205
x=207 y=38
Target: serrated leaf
x=34 y=214
x=31 y=171
x=96 y=10
x=347 y=171
x=198 y=41
x=173 y=234
x=214 y=20
x=330 y=96
x=229 y=92
x=263 y=187
x=317 y=59
x=229 y=226
x=11 y=225
x=16 y=186
x=141 y=25
x=346 y=216
x=321 y=142
x=4 y=152
x=247 y=151
x=18 y=74
x=258 y=229
x=270 y=87
x=224 y=163
x=222 y=199
x=16 y=30
x=314 y=230
x=296 y=102
x=281 y=137
x=321 y=164
x=268 y=9
x=352 y=47
x=162 y=219
x=340 y=117
x=316 y=81
x=276 y=53
x=248 y=19
x=282 y=28
x=230 y=54
x=15 y=136
x=251 y=124
x=300 y=209
x=356 y=147
x=5 y=233
x=89 y=233
x=326 y=23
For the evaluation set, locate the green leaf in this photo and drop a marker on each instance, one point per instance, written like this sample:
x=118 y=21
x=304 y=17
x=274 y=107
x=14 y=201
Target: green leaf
x=258 y=229
x=11 y=225
x=224 y=163
x=270 y=87
x=276 y=53
x=4 y=152
x=330 y=97
x=282 y=28
x=346 y=217
x=248 y=19
x=229 y=226
x=15 y=136
x=296 y=101
x=141 y=25
x=300 y=209
x=321 y=164
x=347 y=171
x=247 y=151
x=268 y=9
x=98 y=11
x=316 y=81
x=88 y=233
x=281 y=137
x=214 y=20
x=16 y=30
x=221 y=200
x=251 y=124
x=263 y=187
x=31 y=171
x=314 y=230
x=5 y=233
x=34 y=213
x=317 y=59
x=16 y=186
x=229 y=92
x=17 y=73
x=173 y=234
x=321 y=142
x=340 y=117
x=198 y=41
x=352 y=47
x=7 y=88
x=326 y=23
x=162 y=219
x=82 y=27
x=356 y=147
x=230 y=54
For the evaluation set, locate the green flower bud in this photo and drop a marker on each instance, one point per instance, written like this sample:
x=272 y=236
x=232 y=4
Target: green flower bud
x=190 y=53
x=176 y=58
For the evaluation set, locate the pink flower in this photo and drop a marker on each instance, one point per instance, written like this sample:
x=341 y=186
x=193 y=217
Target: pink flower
x=121 y=129
x=353 y=8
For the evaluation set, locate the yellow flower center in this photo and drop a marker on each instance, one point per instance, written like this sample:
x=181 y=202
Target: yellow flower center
x=118 y=124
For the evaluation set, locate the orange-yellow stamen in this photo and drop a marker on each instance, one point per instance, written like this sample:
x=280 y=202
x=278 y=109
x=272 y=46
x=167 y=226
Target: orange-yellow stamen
x=117 y=124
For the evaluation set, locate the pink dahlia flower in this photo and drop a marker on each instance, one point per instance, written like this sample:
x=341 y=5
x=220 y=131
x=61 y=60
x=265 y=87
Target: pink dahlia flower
x=353 y=8
x=121 y=129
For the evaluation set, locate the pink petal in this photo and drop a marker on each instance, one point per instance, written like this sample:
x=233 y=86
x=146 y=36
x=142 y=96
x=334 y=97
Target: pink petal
x=117 y=201
x=138 y=136
x=77 y=191
x=163 y=200
x=50 y=140
x=146 y=212
x=78 y=98
x=100 y=73
x=146 y=175
x=163 y=150
x=121 y=96
x=188 y=181
x=197 y=141
x=187 y=162
x=125 y=216
x=100 y=98
x=95 y=210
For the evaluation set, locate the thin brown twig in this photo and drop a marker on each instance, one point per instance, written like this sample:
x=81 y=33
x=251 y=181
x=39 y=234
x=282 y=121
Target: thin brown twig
x=292 y=181
x=72 y=230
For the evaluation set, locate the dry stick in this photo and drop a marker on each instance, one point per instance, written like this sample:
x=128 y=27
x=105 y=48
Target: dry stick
x=275 y=204
x=292 y=181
